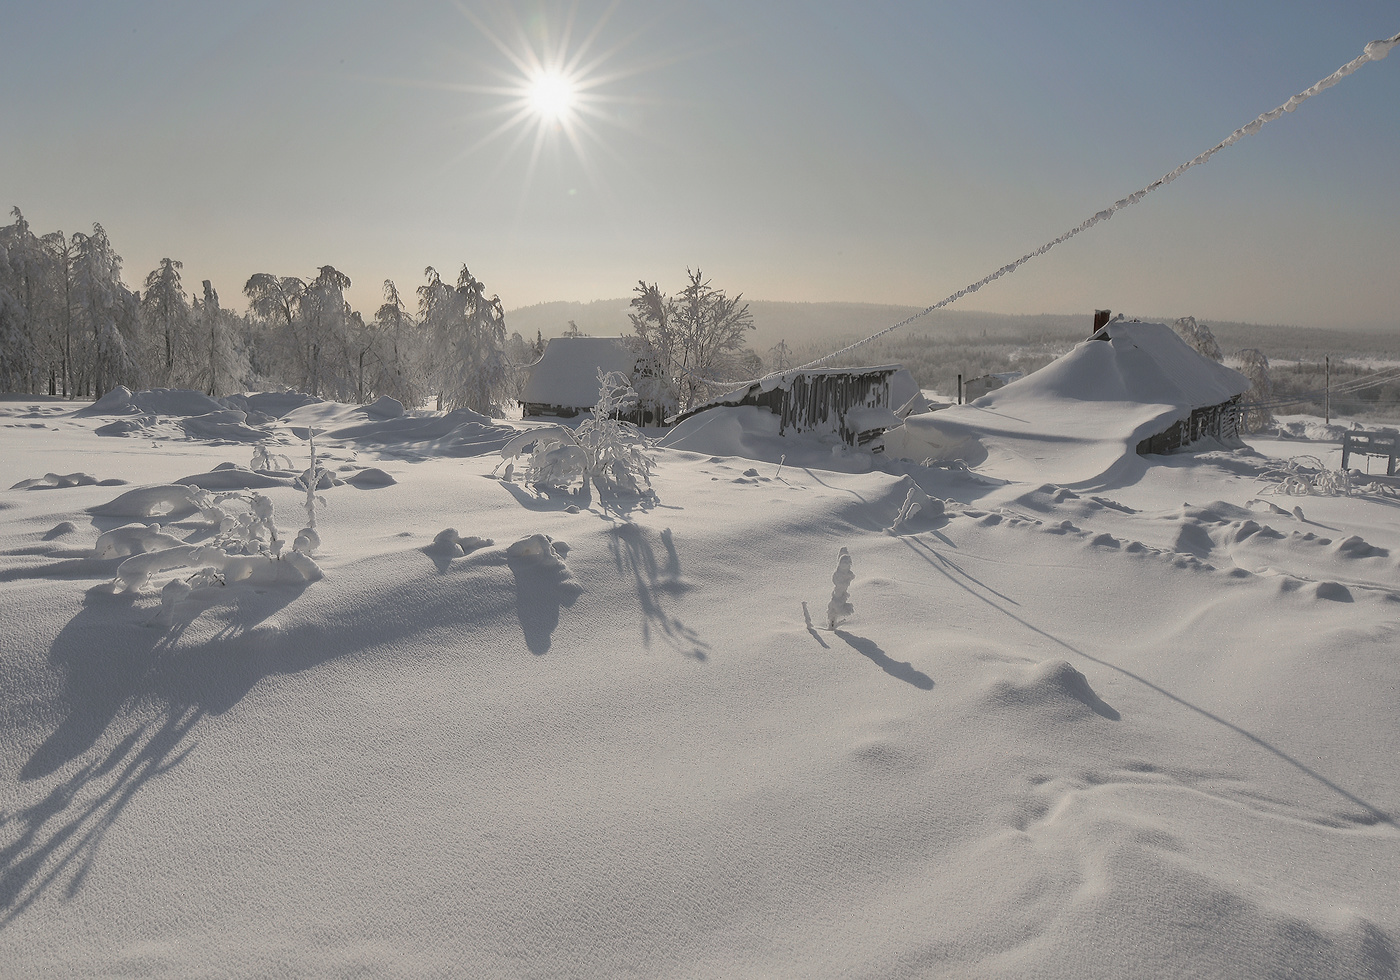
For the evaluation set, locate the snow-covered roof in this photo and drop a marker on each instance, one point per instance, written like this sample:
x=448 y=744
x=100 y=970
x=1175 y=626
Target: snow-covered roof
x=1139 y=362
x=567 y=373
x=1077 y=417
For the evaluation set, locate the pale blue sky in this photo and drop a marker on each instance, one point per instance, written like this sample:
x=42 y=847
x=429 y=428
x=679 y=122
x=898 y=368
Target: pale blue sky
x=870 y=151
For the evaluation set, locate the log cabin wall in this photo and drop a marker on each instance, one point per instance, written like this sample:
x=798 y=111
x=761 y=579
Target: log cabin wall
x=1218 y=421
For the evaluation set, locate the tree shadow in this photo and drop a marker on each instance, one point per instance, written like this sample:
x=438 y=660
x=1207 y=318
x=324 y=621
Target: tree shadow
x=113 y=653
x=549 y=498
x=895 y=668
x=635 y=556
x=56 y=838
x=115 y=658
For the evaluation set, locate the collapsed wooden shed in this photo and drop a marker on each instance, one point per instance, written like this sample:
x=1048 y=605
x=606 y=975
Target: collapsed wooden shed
x=857 y=404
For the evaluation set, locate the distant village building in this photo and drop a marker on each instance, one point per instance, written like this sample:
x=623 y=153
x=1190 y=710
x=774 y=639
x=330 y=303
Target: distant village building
x=857 y=404
x=564 y=381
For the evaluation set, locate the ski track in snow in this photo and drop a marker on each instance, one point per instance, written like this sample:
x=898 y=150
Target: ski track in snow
x=1067 y=731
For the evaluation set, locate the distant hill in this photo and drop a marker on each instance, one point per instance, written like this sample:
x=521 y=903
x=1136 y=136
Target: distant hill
x=811 y=329
x=799 y=324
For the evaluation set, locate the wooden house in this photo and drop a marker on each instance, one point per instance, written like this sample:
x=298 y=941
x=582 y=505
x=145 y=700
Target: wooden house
x=564 y=381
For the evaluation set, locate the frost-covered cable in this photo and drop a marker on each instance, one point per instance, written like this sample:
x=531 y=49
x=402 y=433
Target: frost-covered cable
x=1374 y=51
x=1363 y=383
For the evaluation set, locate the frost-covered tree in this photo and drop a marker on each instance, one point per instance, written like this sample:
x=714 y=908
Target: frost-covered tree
x=466 y=335
x=326 y=319
x=107 y=310
x=519 y=356
x=166 y=312
x=24 y=280
x=693 y=339
x=275 y=304
x=395 y=357
x=780 y=356
x=222 y=366
x=1199 y=336
x=1255 y=414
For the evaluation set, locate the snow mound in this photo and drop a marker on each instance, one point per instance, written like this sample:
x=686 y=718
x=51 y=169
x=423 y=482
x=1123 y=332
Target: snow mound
x=127 y=427
x=749 y=432
x=227 y=424
x=133 y=539
x=235 y=478
x=370 y=478
x=56 y=481
x=537 y=547
x=384 y=408
x=172 y=502
x=448 y=542
x=154 y=401
x=1052 y=685
x=269 y=404
x=457 y=433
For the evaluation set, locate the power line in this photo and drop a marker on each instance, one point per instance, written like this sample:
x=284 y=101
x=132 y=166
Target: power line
x=1374 y=51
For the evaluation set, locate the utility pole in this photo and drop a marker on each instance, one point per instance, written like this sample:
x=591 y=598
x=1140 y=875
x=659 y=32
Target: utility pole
x=1327 y=391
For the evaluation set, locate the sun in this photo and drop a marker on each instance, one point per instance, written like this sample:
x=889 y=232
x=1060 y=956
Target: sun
x=552 y=96
x=558 y=86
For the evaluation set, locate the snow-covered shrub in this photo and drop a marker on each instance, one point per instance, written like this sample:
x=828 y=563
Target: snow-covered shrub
x=616 y=450
x=551 y=455
x=265 y=459
x=312 y=479
x=915 y=502
x=604 y=449
x=1306 y=475
x=839 y=608
x=245 y=548
x=249 y=529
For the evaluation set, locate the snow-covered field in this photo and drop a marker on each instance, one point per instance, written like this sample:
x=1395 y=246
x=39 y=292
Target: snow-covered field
x=1139 y=721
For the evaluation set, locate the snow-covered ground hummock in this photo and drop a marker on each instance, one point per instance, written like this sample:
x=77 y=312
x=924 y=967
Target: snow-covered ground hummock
x=1136 y=718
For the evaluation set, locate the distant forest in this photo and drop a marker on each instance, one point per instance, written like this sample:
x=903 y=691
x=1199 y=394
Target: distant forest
x=71 y=327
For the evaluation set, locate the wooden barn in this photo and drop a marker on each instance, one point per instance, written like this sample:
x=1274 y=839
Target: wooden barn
x=857 y=404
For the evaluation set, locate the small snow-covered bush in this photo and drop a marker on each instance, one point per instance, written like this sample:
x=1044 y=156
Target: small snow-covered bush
x=604 y=449
x=839 y=608
x=551 y=455
x=616 y=450
x=245 y=548
x=1306 y=475
x=265 y=459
